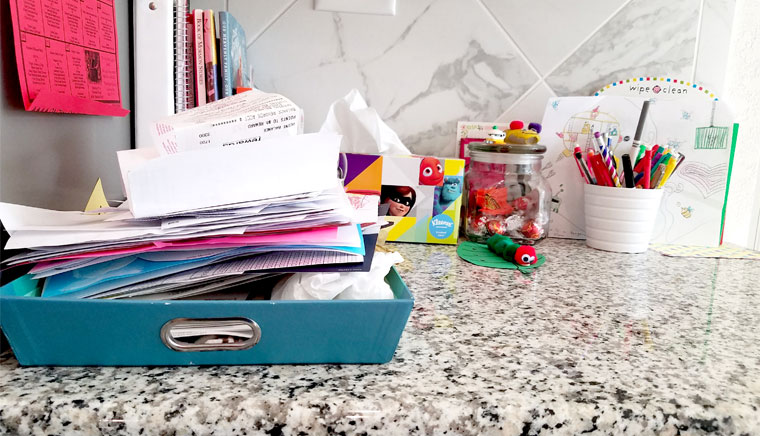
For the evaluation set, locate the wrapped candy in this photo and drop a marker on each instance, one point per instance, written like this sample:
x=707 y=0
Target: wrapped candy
x=496 y=227
x=531 y=230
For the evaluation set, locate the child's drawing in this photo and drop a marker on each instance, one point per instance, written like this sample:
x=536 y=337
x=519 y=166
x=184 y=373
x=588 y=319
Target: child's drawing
x=692 y=205
x=708 y=180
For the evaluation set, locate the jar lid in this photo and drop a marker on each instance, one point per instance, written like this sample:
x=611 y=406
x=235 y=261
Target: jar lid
x=489 y=147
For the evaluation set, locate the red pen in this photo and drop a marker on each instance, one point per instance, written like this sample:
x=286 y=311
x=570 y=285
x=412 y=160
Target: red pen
x=578 y=159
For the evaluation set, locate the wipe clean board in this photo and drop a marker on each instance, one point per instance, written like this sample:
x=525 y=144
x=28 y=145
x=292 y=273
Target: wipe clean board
x=695 y=124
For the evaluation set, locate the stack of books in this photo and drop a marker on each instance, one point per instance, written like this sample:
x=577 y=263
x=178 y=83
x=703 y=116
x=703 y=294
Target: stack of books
x=207 y=67
x=202 y=224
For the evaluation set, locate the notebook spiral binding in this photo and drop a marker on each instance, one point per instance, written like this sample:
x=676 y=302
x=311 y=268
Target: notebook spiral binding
x=184 y=94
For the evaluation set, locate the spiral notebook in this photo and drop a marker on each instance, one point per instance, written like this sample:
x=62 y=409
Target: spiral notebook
x=184 y=88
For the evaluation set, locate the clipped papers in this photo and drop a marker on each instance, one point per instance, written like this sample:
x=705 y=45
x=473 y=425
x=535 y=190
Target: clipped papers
x=242 y=119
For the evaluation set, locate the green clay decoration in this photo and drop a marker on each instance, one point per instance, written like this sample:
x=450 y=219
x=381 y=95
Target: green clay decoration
x=481 y=255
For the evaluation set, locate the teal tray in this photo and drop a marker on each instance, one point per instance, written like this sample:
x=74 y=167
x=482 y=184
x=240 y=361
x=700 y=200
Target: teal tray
x=67 y=332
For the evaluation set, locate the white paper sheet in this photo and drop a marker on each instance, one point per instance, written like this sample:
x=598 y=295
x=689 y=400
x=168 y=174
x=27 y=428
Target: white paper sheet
x=218 y=176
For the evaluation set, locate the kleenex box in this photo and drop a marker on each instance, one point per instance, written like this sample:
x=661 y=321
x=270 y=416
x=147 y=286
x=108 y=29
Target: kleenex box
x=65 y=332
x=421 y=196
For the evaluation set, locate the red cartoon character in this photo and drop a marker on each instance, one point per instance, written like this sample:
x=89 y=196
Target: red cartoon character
x=431 y=172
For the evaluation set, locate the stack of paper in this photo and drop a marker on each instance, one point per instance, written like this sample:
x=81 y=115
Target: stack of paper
x=167 y=248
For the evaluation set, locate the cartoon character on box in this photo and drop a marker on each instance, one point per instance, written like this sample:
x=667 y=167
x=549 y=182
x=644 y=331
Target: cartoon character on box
x=447 y=194
x=431 y=172
x=400 y=199
x=517 y=134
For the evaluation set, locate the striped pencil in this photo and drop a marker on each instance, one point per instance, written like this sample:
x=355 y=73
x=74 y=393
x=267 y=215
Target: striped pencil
x=611 y=168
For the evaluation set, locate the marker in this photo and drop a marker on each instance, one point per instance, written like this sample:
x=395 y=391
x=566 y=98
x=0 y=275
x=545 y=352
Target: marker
x=639 y=154
x=640 y=127
x=680 y=160
x=602 y=175
x=628 y=171
x=657 y=175
x=598 y=141
x=668 y=171
x=662 y=160
x=645 y=181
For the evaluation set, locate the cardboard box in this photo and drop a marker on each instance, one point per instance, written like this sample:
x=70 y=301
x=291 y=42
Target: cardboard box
x=65 y=332
x=423 y=195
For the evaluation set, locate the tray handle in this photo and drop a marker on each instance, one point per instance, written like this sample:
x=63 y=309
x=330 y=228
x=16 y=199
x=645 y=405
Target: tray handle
x=210 y=334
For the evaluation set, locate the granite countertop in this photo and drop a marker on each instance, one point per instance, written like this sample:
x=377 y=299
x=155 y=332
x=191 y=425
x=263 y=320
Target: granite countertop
x=591 y=342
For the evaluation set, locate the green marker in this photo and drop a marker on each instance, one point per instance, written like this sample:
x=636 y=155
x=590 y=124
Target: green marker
x=642 y=149
x=663 y=159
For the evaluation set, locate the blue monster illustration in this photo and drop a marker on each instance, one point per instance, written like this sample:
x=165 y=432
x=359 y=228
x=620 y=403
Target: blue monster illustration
x=447 y=194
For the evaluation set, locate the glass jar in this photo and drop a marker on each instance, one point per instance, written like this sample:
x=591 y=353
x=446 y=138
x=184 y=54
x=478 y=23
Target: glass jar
x=506 y=193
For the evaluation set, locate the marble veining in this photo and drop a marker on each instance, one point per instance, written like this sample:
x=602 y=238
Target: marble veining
x=647 y=37
x=592 y=342
x=436 y=62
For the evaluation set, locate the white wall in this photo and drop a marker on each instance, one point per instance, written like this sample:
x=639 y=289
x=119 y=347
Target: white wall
x=743 y=94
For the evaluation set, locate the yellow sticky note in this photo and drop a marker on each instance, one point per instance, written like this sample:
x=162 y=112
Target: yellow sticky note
x=97 y=198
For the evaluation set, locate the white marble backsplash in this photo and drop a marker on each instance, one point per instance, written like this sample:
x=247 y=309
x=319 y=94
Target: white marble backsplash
x=437 y=62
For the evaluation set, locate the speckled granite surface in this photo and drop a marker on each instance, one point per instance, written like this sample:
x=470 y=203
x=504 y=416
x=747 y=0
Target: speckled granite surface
x=591 y=342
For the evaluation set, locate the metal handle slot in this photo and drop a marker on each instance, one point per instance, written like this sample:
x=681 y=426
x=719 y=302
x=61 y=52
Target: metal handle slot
x=211 y=334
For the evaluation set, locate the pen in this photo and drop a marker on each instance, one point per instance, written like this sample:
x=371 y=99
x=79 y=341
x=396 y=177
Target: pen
x=607 y=160
x=640 y=127
x=627 y=171
x=579 y=162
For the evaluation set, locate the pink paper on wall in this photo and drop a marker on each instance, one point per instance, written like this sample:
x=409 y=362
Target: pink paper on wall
x=67 y=56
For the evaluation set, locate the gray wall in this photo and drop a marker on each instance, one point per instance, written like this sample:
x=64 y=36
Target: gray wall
x=54 y=160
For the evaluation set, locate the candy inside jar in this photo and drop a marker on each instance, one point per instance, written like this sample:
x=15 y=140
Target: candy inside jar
x=506 y=193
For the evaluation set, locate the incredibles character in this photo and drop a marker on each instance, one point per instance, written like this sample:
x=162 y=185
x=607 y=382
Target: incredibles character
x=431 y=172
x=523 y=255
x=399 y=198
x=447 y=194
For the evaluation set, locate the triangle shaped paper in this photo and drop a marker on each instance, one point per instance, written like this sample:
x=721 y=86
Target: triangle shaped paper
x=97 y=198
x=364 y=173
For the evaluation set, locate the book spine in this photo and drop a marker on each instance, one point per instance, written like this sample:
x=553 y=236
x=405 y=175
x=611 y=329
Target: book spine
x=224 y=50
x=200 y=67
x=209 y=46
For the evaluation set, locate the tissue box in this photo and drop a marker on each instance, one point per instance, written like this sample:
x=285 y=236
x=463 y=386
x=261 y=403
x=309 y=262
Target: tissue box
x=420 y=196
x=64 y=332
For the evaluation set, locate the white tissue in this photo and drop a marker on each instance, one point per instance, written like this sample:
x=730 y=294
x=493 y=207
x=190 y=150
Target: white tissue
x=368 y=285
x=362 y=128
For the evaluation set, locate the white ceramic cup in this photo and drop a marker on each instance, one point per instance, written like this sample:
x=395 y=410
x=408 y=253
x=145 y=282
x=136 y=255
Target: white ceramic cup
x=620 y=219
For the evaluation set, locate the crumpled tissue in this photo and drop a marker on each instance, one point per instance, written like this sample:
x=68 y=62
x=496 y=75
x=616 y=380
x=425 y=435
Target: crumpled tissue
x=362 y=128
x=369 y=285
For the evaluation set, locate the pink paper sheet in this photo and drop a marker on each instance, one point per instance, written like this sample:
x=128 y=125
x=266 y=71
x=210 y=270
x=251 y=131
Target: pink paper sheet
x=67 y=56
x=323 y=235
